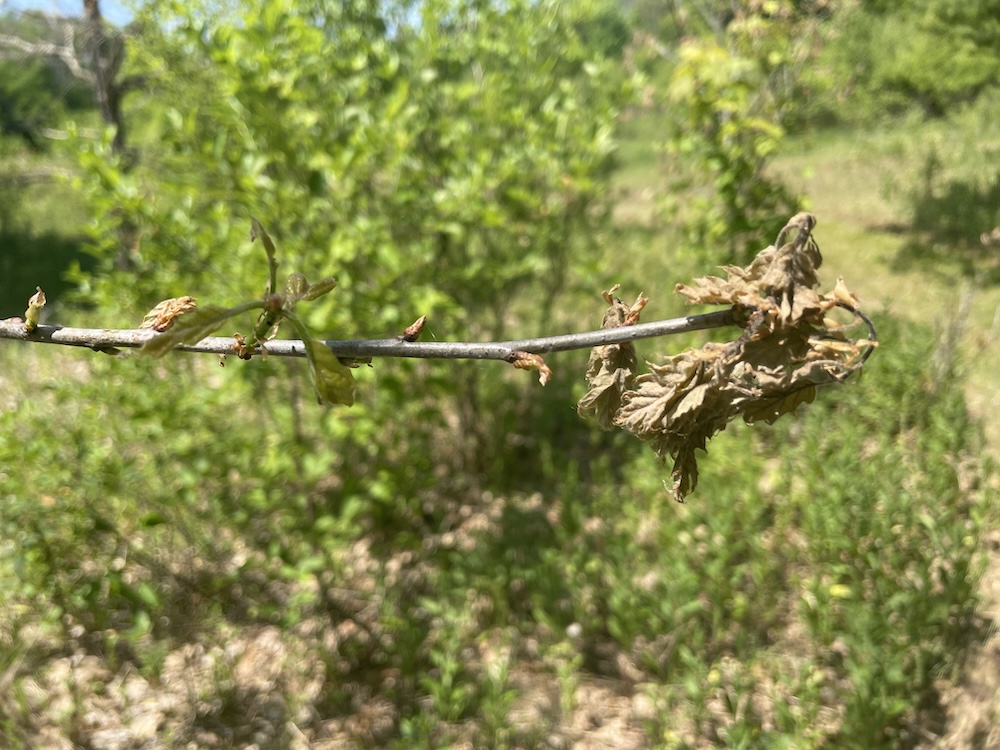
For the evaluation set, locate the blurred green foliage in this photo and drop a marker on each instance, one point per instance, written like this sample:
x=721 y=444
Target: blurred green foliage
x=443 y=170
x=931 y=54
x=730 y=97
x=36 y=92
x=459 y=533
x=724 y=130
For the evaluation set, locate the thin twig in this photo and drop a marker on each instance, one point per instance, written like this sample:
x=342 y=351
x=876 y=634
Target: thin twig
x=110 y=340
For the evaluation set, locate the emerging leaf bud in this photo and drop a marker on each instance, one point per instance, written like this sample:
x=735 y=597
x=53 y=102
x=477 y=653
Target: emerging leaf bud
x=412 y=332
x=35 y=305
x=529 y=361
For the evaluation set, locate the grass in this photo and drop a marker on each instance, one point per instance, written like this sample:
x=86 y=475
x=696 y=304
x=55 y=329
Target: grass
x=859 y=186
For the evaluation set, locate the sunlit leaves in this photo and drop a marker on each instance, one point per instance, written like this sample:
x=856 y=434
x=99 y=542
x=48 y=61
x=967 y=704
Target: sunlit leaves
x=727 y=132
x=295 y=289
x=298 y=288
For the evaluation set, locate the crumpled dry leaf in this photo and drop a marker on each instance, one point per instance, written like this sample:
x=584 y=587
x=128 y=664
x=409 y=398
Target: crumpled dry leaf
x=161 y=317
x=611 y=367
x=787 y=349
x=529 y=361
x=780 y=279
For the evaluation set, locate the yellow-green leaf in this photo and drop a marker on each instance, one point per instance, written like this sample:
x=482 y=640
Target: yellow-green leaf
x=35 y=305
x=320 y=288
x=333 y=380
x=295 y=289
x=257 y=230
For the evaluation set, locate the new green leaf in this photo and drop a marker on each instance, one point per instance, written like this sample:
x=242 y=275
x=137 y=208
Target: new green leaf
x=332 y=379
x=320 y=288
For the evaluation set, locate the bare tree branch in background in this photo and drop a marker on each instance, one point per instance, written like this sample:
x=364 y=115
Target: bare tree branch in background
x=106 y=52
x=35 y=175
x=16 y=48
x=96 y=61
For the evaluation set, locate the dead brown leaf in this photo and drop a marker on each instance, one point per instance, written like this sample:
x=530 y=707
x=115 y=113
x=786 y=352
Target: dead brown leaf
x=161 y=317
x=788 y=347
x=612 y=366
x=529 y=361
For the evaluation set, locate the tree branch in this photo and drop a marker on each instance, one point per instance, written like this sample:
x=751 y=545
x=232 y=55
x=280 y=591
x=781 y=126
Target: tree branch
x=64 y=52
x=110 y=340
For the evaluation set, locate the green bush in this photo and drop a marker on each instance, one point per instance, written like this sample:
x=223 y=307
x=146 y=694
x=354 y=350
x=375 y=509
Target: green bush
x=728 y=101
x=928 y=54
x=449 y=169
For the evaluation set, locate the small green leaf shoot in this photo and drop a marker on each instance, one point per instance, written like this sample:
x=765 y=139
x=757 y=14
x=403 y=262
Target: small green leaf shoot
x=295 y=289
x=317 y=290
x=257 y=230
x=332 y=379
x=35 y=305
x=298 y=288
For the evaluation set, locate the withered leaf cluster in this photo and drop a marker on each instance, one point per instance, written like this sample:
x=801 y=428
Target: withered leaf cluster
x=788 y=347
x=611 y=369
x=162 y=317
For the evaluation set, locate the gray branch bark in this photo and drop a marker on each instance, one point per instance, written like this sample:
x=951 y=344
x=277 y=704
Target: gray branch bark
x=111 y=340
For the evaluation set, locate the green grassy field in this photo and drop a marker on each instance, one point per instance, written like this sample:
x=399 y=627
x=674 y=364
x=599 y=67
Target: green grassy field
x=858 y=185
